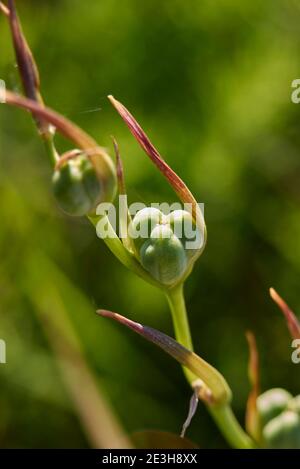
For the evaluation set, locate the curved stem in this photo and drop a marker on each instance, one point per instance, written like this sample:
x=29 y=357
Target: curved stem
x=115 y=245
x=177 y=306
x=222 y=414
x=230 y=427
x=50 y=149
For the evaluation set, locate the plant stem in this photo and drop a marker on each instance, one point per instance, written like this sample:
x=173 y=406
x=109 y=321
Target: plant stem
x=50 y=149
x=222 y=414
x=116 y=246
x=230 y=427
x=177 y=306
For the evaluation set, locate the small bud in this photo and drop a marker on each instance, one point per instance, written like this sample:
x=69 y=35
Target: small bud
x=283 y=432
x=162 y=243
x=294 y=404
x=185 y=228
x=143 y=223
x=163 y=256
x=271 y=403
x=77 y=186
x=280 y=418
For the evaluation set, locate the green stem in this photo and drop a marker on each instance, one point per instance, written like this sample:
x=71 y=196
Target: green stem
x=118 y=249
x=50 y=149
x=222 y=414
x=230 y=427
x=177 y=306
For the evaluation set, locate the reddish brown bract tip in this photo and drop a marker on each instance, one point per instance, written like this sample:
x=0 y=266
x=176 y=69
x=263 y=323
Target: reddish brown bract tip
x=175 y=181
x=291 y=319
x=212 y=380
x=135 y=326
x=4 y=9
x=63 y=125
x=252 y=416
x=27 y=66
x=120 y=170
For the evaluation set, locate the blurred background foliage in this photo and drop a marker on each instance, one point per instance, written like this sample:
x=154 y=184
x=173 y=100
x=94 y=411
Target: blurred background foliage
x=211 y=82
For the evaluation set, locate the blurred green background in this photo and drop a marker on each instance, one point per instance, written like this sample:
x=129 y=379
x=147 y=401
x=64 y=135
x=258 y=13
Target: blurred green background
x=210 y=82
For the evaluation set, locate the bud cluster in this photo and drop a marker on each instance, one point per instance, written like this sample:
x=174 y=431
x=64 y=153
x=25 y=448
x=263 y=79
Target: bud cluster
x=166 y=245
x=279 y=414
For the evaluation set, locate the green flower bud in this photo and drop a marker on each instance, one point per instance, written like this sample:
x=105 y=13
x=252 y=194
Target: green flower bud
x=283 y=431
x=163 y=256
x=294 y=404
x=162 y=243
x=77 y=186
x=185 y=229
x=143 y=223
x=271 y=403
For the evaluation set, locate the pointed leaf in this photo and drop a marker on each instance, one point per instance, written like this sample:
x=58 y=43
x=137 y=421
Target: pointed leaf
x=120 y=170
x=212 y=379
x=252 y=415
x=175 y=181
x=125 y=218
x=67 y=128
x=27 y=66
x=291 y=319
